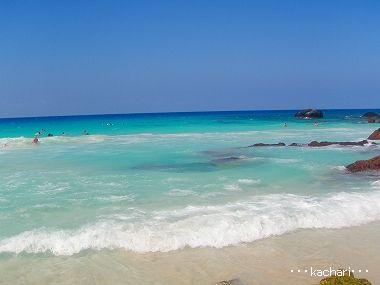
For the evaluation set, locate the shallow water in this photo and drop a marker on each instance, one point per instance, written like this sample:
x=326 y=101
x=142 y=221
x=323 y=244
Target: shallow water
x=172 y=183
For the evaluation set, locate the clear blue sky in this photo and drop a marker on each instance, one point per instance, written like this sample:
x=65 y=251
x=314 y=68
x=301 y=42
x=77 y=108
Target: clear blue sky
x=88 y=57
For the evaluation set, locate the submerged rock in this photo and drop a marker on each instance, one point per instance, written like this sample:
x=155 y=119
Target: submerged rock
x=227 y=159
x=375 y=135
x=319 y=144
x=347 y=279
x=309 y=113
x=268 y=144
x=365 y=165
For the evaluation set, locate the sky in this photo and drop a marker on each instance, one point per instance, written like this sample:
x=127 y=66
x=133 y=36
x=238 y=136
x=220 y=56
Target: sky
x=100 y=57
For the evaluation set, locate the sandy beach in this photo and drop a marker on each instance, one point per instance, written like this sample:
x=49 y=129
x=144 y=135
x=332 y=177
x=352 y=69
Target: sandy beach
x=268 y=261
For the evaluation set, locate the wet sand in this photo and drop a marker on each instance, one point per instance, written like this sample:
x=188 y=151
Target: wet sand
x=267 y=261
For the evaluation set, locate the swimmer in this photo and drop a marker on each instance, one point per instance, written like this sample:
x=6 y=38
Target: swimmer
x=315 y=124
x=285 y=125
x=35 y=140
x=86 y=133
x=50 y=135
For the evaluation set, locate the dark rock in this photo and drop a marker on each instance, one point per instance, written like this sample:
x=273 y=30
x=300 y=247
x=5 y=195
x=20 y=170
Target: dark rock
x=309 y=113
x=268 y=144
x=296 y=144
x=375 y=135
x=372 y=117
x=230 y=282
x=320 y=144
x=369 y=114
x=227 y=159
x=364 y=165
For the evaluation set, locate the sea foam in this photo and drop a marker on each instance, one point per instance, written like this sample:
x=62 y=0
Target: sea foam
x=205 y=226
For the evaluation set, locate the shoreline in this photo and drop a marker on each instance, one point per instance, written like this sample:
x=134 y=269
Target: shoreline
x=117 y=190
x=266 y=261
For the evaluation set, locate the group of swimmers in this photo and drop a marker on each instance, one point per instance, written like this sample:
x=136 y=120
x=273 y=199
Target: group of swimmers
x=42 y=131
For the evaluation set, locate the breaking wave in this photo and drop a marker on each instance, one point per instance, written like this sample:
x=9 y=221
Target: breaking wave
x=205 y=226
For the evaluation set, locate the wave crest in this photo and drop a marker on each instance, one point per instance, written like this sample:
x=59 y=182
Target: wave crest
x=202 y=226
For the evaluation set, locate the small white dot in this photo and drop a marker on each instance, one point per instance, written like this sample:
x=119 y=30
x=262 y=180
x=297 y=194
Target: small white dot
x=305 y=270
x=360 y=270
x=366 y=270
x=299 y=270
x=292 y=270
x=353 y=271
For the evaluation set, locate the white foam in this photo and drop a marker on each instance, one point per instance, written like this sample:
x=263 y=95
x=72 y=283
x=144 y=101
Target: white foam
x=232 y=187
x=340 y=168
x=202 y=226
x=117 y=198
x=249 y=181
x=186 y=193
x=18 y=142
x=181 y=193
x=284 y=160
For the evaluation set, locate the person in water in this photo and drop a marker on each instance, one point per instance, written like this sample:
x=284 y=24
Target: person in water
x=285 y=125
x=39 y=133
x=86 y=133
x=35 y=140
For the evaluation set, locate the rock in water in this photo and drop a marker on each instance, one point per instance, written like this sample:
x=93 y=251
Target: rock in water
x=296 y=144
x=268 y=144
x=375 y=135
x=369 y=114
x=309 y=113
x=371 y=117
x=365 y=165
x=320 y=144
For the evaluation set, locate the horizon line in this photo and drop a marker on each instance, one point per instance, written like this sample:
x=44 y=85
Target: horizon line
x=177 y=112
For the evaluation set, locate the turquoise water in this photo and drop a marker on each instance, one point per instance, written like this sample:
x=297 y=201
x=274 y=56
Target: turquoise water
x=162 y=182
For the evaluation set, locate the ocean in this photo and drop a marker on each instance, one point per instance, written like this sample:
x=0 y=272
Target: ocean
x=162 y=186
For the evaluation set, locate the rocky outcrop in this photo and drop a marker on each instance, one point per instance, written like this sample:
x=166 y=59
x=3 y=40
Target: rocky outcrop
x=369 y=114
x=365 y=165
x=375 y=135
x=309 y=113
x=347 y=278
x=320 y=144
x=296 y=144
x=315 y=144
x=371 y=117
x=268 y=144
